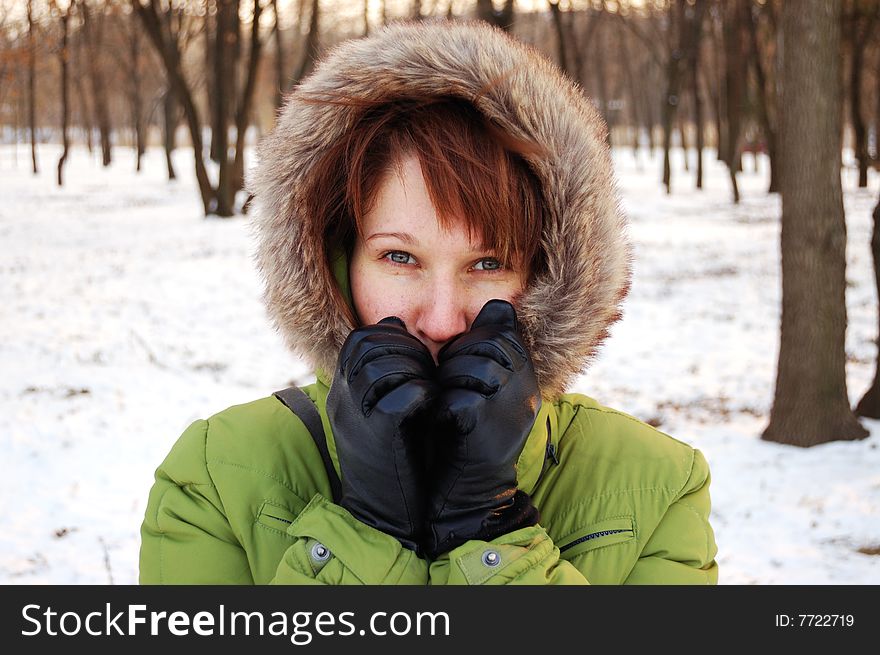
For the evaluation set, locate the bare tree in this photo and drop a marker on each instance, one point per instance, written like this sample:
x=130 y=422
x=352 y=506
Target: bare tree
x=93 y=27
x=685 y=37
x=310 y=47
x=170 y=119
x=733 y=89
x=134 y=88
x=63 y=14
x=766 y=96
x=85 y=108
x=280 y=67
x=561 y=38
x=158 y=24
x=237 y=99
x=32 y=79
x=810 y=405
x=861 y=22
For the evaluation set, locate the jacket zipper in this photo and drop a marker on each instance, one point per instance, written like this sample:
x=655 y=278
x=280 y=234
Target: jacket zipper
x=593 y=535
x=278 y=518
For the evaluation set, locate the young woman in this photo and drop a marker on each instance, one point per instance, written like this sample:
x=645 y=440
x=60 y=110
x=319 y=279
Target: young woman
x=441 y=239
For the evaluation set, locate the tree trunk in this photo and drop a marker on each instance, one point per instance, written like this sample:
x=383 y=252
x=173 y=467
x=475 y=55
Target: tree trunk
x=670 y=96
x=135 y=92
x=311 y=45
x=169 y=113
x=765 y=97
x=810 y=405
x=859 y=38
x=561 y=50
x=32 y=78
x=94 y=28
x=718 y=90
x=280 y=65
x=65 y=100
x=242 y=117
x=698 y=111
x=598 y=47
x=86 y=111
x=735 y=90
x=167 y=49
x=635 y=116
x=225 y=41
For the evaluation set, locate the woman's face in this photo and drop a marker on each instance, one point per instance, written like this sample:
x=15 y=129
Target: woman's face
x=406 y=265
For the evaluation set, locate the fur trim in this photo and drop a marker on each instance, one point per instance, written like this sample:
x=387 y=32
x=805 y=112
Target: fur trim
x=566 y=312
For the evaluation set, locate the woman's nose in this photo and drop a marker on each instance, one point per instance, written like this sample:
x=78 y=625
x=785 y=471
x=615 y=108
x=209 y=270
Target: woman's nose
x=442 y=315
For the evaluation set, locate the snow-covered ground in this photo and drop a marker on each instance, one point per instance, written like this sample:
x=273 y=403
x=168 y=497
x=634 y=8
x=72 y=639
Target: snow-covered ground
x=126 y=315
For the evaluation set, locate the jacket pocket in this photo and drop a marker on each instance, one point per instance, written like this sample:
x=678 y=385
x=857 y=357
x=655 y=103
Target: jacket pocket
x=275 y=517
x=598 y=535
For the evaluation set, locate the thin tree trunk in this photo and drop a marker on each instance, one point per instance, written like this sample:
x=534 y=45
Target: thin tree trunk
x=598 y=47
x=810 y=405
x=635 y=115
x=169 y=115
x=764 y=98
x=65 y=100
x=212 y=94
x=698 y=112
x=858 y=40
x=561 y=50
x=307 y=60
x=671 y=96
x=86 y=111
x=280 y=65
x=168 y=51
x=135 y=92
x=32 y=78
x=226 y=39
x=735 y=91
x=718 y=91
x=242 y=117
x=94 y=29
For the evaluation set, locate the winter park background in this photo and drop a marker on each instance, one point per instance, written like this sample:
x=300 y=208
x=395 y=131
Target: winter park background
x=126 y=315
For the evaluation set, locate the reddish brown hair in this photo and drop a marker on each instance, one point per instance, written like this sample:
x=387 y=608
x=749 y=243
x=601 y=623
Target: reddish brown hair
x=473 y=171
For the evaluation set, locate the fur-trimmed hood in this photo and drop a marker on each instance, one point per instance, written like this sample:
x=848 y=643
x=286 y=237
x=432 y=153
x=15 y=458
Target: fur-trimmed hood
x=567 y=309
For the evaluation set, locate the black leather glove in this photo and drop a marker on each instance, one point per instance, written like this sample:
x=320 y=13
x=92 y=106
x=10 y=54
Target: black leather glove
x=488 y=404
x=381 y=391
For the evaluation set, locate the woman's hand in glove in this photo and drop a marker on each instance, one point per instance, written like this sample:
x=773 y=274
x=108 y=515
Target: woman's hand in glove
x=382 y=388
x=489 y=401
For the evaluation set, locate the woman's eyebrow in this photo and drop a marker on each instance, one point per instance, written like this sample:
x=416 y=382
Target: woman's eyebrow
x=406 y=237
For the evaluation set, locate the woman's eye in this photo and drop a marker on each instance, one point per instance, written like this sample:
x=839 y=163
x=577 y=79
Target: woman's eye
x=488 y=264
x=399 y=257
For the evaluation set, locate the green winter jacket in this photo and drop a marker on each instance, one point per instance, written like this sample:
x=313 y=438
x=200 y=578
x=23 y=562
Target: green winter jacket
x=243 y=498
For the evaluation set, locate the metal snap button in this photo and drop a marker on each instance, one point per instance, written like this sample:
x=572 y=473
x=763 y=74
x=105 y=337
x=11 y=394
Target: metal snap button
x=320 y=552
x=491 y=558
